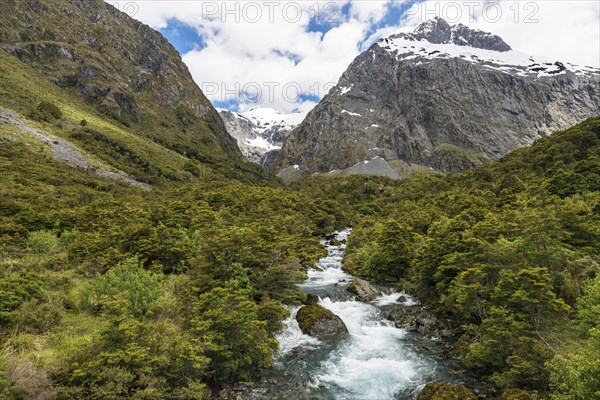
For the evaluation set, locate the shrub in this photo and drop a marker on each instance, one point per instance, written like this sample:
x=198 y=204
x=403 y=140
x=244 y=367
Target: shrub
x=49 y=111
x=43 y=242
x=37 y=318
x=128 y=279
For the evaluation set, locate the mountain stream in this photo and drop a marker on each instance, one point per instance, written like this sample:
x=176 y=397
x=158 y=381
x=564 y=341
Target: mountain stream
x=376 y=361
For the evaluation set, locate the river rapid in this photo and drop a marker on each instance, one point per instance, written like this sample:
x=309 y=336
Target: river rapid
x=376 y=361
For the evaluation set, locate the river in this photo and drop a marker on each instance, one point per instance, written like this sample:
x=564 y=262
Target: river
x=376 y=361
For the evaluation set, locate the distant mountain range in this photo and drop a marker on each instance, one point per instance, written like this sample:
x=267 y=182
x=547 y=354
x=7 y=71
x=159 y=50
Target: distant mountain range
x=442 y=98
x=260 y=132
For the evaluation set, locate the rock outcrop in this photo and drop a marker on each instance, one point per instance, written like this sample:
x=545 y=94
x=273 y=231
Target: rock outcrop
x=316 y=320
x=444 y=97
x=363 y=290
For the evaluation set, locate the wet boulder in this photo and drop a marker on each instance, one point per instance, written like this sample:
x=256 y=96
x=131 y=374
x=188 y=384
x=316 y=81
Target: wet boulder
x=426 y=323
x=401 y=317
x=315 y=320
x=363 y=290
x=311 y=299
x=445 y=391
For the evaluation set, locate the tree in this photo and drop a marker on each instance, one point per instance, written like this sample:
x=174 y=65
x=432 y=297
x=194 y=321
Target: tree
x=139 y=358
x=588 y=305
x=227 y=321
x=576 y=376
x=528 y=292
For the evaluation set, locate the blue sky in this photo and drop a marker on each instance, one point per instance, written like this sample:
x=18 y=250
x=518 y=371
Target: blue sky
x=295 y=51
x=183 y=36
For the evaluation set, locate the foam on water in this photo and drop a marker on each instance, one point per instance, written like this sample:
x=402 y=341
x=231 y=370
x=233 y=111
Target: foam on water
x=392 y=298
x=374 y=378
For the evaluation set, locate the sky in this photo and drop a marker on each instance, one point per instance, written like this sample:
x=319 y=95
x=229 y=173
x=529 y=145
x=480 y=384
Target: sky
x=288 y=54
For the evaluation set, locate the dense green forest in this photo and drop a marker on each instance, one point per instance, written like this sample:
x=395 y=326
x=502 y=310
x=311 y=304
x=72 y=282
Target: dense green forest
x=110 y=291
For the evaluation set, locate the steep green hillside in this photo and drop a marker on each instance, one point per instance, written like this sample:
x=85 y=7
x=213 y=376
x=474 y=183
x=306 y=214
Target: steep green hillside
x=112 y=291
x=143 y=113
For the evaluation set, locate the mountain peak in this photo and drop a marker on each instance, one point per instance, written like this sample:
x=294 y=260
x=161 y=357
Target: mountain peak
x=438 y=31
x=435 y=30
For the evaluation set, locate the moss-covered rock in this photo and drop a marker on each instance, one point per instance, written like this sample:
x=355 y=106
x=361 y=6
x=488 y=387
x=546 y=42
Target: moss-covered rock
x=46 y=111
x=311 y=299
x=335 y=242
x=315 y=320
x=363 y=290
x=445 y=391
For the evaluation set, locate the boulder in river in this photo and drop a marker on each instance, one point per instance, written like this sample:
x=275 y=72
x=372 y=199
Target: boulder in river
x=335 y=242
x=426 y=323
x=316 y=320
x=363 y=290
x=311 y=299
x=445 y=391
x=402 y=317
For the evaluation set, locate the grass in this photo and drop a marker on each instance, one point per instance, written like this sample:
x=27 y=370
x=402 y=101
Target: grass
x=460 y=153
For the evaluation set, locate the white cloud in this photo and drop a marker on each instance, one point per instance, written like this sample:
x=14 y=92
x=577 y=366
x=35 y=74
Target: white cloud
x=373 y=11
x=271 y=45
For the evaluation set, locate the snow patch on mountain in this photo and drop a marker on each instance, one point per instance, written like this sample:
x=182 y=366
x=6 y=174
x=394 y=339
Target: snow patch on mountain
x=345 y=90
x=267 y=118
x=351 y=113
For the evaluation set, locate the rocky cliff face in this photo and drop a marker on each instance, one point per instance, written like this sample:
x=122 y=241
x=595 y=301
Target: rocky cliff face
x=443 y=97
x=260 y=132
x=128 y=71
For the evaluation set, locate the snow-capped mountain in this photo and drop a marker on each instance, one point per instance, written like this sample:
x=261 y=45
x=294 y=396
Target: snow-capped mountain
x=432 y=40
x=445 y=97
x=260 y=132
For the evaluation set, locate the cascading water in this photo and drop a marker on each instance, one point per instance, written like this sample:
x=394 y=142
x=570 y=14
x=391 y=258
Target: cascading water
x=376 y=361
